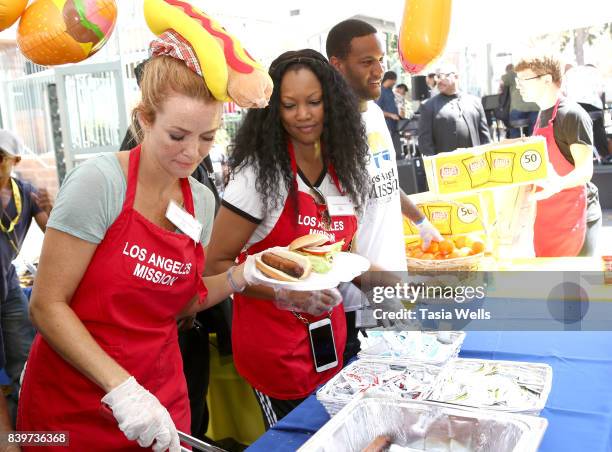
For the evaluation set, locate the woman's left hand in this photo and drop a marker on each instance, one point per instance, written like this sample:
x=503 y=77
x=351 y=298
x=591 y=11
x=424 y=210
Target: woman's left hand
x=316 y=302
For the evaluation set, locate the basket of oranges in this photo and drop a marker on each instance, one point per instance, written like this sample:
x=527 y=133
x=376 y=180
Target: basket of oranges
x=454 y=253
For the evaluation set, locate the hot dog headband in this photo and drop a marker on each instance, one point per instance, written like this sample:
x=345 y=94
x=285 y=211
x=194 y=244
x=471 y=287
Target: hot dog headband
x=228 y=70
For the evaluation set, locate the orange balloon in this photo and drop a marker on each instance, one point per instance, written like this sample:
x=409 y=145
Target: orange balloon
x=10 y=10
x=423 y=32
x=53 y=32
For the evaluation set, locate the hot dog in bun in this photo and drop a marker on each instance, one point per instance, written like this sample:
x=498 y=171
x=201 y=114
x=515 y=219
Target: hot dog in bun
x=283 y=265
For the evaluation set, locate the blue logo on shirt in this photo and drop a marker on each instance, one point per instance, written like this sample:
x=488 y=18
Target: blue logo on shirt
x=379 y=156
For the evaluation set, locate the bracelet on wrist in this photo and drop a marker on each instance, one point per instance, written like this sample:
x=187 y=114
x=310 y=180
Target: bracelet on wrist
x=233 y=284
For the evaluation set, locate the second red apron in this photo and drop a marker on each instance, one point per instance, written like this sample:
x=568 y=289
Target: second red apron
x=271 y=346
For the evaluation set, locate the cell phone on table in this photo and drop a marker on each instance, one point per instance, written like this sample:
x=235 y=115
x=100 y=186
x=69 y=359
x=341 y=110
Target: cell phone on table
x=323 y=344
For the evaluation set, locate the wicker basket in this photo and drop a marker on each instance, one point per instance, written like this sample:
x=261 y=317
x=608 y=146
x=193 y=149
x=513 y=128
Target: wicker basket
x=458 y=264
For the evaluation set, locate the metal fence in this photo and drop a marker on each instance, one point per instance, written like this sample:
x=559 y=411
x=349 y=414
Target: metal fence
x=26 y=112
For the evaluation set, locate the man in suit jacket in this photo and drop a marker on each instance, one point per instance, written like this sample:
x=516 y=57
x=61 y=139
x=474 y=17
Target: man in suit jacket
x=452 y=119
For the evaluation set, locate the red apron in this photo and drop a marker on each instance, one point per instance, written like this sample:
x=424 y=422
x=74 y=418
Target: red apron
x=560 y=223
x=271 y=346
x=140 y=277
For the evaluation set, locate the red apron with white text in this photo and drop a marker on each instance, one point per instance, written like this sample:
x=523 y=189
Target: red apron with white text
x=560 y=223
x=140 y=277
x=271 y=346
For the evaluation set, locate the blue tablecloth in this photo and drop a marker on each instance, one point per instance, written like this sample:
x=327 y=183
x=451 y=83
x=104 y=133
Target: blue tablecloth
x=579 y=408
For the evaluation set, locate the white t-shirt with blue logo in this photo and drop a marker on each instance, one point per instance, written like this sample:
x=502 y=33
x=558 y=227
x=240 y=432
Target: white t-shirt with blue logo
x=380 y=237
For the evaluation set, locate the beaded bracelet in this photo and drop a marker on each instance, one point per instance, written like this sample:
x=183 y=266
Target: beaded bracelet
x=235 y=287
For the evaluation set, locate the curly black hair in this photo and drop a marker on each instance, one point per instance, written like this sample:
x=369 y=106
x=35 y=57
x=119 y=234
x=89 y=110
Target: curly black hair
x=261 y=141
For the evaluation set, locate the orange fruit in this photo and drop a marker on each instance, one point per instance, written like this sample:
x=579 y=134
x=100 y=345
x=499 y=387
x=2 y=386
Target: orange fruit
x=434 y=247
x=459 y=241
x=477 y=247
x=427 y=256
x=446 y=246
x=453 y=255
x=417 y=252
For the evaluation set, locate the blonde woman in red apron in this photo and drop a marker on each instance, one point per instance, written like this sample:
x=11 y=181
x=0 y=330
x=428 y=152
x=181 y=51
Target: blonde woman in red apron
x=560 y=223
x=289 y=160
x=107 y=310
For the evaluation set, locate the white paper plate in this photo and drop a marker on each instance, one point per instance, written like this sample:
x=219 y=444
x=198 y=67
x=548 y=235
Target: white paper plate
x=346 y=267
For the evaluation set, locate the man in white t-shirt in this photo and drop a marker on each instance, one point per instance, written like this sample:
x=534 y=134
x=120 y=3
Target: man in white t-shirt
x=355 y=51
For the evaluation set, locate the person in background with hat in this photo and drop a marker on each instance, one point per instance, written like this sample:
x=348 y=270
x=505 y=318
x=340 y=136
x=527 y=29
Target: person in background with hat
x=21 y=202
x=122 y=260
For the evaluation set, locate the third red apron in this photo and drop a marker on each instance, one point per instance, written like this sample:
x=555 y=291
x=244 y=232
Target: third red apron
x=560 y=223
x=271 y=346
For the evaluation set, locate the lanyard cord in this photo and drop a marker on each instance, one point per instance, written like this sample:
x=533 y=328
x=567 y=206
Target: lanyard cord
x=305 y=321
x=13 y=240
x=17 y=198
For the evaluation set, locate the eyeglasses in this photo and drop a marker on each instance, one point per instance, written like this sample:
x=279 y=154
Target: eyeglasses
x=322 y=206
x=523 y=80
x=445 y=75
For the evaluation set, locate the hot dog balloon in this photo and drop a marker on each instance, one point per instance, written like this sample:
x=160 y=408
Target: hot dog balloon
x=423 y=32
x=229 y=71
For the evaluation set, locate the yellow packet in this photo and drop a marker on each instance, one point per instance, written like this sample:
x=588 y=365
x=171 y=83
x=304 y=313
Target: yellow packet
x=478 y=170
x=502 y=166
x=440 y=217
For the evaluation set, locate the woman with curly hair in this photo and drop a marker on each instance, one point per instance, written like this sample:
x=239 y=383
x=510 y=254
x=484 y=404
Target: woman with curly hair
x=289 y=160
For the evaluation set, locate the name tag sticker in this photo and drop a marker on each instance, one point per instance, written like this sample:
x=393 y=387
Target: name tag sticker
x=180 y=218
x=340 y=206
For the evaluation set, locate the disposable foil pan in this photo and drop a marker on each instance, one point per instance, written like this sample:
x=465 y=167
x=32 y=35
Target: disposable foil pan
x=429 y=426
x=398 y=381
x=435 y=348
x=511 y=386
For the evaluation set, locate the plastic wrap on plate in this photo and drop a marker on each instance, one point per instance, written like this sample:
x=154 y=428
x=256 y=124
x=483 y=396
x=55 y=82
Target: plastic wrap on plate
x=408 y=382
x=497 y=385
x=435 y=348
x=418 y=426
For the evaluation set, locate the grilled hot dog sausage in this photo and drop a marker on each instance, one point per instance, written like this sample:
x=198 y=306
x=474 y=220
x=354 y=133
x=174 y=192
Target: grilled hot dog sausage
x=285 y=265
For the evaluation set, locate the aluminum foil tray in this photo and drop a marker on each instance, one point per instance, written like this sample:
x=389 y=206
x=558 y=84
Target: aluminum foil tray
x=397 y=381
x=426 y=426
x=435 y=348
x=510 y=386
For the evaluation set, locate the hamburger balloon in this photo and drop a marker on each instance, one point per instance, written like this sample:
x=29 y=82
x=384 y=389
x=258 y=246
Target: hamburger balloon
x=53 y=32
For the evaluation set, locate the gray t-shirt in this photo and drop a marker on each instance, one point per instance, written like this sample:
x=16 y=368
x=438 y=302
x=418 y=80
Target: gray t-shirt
x=92 y=196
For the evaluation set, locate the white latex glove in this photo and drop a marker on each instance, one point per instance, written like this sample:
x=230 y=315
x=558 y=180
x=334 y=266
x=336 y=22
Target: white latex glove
x=552 y=185
x=313 y=302
x=248 y=271
x=428 y=232
x=142 y=417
